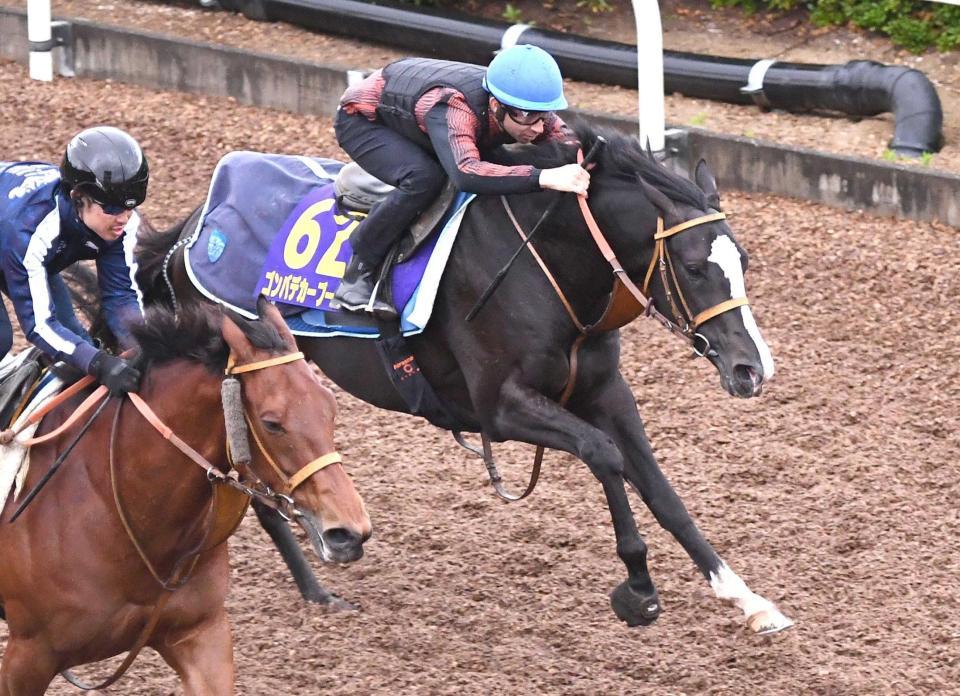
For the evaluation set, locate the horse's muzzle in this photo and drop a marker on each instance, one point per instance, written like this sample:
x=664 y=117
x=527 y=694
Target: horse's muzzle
x=334 y=545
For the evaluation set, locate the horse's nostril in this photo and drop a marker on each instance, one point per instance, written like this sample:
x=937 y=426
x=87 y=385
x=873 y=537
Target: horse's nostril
x=338 y=537
x=746 y=375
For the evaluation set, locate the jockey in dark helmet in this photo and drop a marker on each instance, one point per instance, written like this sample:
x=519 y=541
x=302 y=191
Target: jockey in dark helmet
x=51 y=218
x=419 y=121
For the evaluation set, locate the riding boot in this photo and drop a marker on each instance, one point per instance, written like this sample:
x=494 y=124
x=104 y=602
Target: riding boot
x=356 y=288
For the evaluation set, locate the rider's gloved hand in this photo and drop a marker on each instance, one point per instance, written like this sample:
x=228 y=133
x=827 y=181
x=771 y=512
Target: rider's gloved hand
x=569 y=177
x=116 y=374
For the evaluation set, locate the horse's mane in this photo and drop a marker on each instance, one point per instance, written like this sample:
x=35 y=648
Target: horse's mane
x=622 y=157
x=152 y=247
x=194 y=334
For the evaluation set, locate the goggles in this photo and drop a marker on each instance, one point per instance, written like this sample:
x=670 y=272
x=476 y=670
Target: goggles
x=111 y=208
x=524 y=118
x=114 y=202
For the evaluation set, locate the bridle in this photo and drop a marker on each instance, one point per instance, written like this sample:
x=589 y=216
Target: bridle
x=288 y=484
x=626 y=303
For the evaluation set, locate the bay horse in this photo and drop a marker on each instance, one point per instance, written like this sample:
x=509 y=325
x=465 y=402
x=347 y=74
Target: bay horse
x=508 y=374
x=125 y=546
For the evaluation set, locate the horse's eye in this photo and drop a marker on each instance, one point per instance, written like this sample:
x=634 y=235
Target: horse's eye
x=694 y=271
x=272 y=426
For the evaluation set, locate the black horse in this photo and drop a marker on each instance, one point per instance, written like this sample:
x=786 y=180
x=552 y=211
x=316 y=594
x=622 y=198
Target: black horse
x=508 y=373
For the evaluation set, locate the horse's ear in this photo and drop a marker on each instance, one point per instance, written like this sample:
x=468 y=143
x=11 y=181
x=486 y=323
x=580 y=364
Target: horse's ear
x=232 y=333
x=659 y=200
x=268 y=312
x=705 y=179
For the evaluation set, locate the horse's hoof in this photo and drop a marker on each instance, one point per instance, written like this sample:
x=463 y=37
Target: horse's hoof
x=768 y=621
x=335 y=603
x=634 y=608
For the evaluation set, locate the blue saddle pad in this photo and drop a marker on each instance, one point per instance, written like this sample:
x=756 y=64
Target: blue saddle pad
x=270 y=225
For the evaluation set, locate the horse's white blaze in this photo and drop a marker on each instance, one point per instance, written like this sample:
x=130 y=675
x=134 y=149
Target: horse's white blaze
x=729 y=587
x=724 y=253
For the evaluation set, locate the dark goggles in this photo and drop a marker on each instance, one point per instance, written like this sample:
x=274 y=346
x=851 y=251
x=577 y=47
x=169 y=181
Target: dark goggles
x=116 y=201
x=111 y=209
x=524 y=118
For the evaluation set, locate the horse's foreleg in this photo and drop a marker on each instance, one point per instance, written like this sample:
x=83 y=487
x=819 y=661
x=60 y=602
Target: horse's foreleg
x=202 y=656
x=286 y=543
x=614 y=411
x=527 y=416
x=28 y=668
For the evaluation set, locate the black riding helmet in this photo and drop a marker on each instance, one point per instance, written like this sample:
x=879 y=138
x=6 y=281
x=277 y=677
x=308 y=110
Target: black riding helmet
x=107 y=164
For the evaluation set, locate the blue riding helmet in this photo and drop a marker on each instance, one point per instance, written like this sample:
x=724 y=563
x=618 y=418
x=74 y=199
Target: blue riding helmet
x=526 y=77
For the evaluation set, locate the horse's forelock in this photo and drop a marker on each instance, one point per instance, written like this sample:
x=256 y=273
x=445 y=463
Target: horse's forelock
x=191 y=334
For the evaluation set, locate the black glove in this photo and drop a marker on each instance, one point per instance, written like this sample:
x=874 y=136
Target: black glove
x=116 y=374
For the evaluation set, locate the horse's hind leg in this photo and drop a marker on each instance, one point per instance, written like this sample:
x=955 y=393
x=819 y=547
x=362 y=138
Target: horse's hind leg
x=613 y=409
x=202 y=656
x=28 y=668
x=286 y=543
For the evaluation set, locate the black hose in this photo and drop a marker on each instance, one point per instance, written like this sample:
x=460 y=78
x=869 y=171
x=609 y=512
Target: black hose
x=857 y=88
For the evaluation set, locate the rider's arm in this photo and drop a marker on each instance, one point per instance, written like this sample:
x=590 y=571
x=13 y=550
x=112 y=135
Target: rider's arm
x=452 y=128
x=120 y=295
x=23 y=260
x=363 y=97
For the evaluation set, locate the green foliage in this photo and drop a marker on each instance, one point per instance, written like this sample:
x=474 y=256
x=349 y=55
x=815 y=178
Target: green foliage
x=926 y=158
x=512 y=14
x=698 y=120
x=914 y=24
x=595 y=6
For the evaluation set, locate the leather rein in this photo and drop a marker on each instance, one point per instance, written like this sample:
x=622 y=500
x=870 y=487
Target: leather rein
x=282 y=501
x=626 y=303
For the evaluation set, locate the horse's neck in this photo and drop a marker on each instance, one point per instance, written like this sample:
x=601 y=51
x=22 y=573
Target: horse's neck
x=166 y=494
x=573 y=258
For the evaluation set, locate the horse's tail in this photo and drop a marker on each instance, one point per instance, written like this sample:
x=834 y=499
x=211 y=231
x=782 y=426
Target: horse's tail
x=150 y=252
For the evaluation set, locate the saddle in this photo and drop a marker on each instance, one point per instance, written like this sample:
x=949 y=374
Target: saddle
x=16 y=383
x=358 y=191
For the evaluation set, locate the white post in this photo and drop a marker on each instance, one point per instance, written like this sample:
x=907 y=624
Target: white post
x=38 y=31
x=650 y=73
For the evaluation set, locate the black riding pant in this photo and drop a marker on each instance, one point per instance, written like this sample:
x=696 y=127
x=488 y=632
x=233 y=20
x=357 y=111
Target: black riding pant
x=395 y=160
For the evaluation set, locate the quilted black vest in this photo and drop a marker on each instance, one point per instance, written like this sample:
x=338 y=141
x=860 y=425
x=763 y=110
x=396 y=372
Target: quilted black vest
x=406 y=80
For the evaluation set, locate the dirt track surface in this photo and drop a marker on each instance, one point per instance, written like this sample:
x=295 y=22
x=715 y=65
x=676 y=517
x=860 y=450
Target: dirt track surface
x=834 y=494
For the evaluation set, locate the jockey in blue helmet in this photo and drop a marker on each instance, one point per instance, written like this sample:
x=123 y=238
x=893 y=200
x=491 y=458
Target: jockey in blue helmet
x=418 y=122
x=52 y=217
